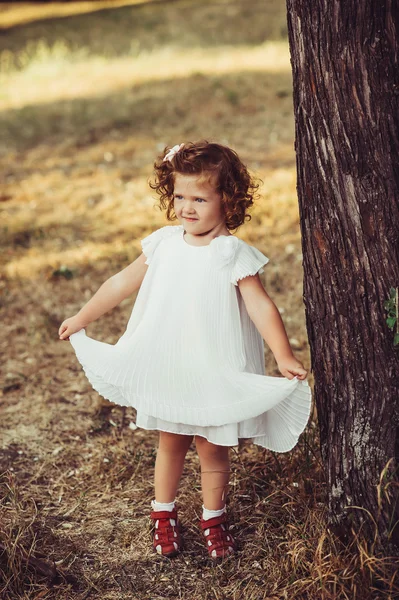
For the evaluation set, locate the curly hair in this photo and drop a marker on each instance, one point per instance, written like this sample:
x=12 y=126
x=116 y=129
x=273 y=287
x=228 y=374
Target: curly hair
x=213 y=162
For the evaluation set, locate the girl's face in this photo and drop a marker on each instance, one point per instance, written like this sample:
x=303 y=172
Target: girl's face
x=197 y=205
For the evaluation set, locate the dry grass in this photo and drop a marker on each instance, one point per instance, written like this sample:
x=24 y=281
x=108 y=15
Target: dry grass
x=92 y=521
x=87 y=102
x=27 y=12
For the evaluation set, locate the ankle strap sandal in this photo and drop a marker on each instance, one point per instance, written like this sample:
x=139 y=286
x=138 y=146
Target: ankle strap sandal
x=220 y=543
x=167 y=538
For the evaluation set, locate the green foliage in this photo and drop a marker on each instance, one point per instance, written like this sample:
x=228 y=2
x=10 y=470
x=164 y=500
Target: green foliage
x=391 y=306
x=232 y=97
x=63 y=271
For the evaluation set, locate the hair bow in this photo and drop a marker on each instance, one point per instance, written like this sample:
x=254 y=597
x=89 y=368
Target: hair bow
x=172 y=152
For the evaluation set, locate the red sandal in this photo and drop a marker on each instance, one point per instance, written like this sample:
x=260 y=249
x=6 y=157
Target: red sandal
x=220 y=542
x=167 y=538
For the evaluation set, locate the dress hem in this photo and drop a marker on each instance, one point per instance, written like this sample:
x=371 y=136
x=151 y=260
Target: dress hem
x=219 y=418
x=251 y=439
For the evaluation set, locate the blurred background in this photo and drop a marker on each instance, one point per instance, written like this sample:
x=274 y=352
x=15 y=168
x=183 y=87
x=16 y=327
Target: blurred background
x=90 y=94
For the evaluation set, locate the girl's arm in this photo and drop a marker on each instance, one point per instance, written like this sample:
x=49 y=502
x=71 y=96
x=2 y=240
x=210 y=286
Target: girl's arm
x=266 y=318
x=110 y=294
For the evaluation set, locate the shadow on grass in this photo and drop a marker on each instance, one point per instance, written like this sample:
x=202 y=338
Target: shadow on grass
x=191 y=107
x=149 y=26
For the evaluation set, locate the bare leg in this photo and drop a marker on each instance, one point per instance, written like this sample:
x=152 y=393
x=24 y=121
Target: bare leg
x=172 y=450
x=215 y=472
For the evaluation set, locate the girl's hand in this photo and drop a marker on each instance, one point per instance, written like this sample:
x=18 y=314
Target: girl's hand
x=70 y=326
x=292 y=367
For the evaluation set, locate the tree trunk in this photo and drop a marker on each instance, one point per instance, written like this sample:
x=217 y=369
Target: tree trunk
x=344 y=57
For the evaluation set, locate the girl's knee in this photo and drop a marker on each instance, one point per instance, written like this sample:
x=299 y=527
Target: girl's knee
x=208 y=450
x=174 y=442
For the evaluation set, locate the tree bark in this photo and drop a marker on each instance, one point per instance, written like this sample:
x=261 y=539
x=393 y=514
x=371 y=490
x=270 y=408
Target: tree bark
x=344 y=56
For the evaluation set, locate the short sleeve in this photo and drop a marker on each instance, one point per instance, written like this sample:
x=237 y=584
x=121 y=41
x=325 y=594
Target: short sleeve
x=150 y=243
x=249 y=261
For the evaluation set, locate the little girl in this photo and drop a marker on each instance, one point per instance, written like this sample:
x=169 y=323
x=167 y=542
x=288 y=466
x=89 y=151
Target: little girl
x=191 y=360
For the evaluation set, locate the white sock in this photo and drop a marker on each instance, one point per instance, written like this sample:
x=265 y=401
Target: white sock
x=210 y=514
x=158 y=506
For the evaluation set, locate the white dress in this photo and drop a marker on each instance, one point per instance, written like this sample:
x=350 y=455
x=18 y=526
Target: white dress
x=191 y=360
